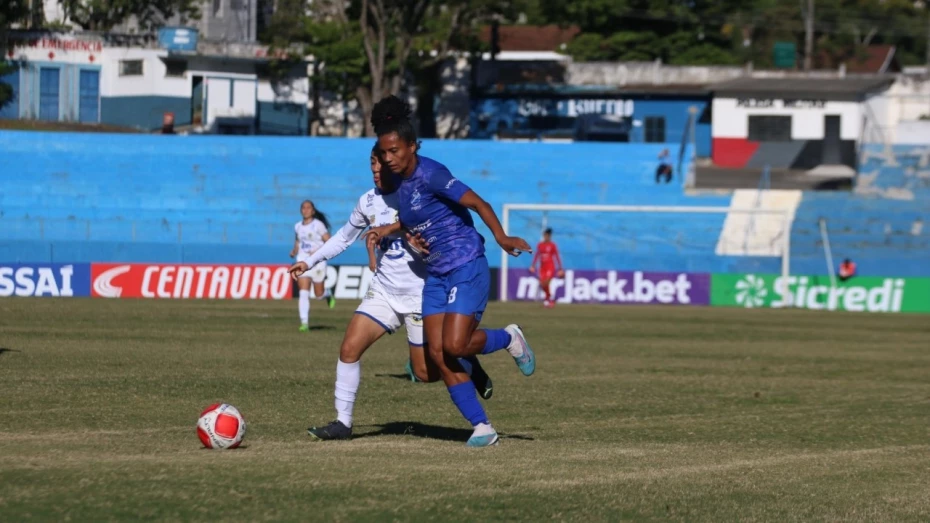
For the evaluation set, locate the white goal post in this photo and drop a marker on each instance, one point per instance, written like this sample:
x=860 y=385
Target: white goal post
x=786 y=215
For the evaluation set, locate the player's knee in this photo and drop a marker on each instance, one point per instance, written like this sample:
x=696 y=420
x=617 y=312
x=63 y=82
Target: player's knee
x=456 y=346
x=349 y=352
x=434 y=353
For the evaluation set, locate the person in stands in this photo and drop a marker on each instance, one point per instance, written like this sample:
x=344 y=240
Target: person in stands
x=847 y=269
x=664 y=170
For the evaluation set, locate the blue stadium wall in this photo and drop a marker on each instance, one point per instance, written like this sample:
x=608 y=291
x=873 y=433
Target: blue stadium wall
x=96 y=197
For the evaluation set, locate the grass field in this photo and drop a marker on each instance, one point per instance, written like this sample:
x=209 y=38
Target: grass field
x=682 y=414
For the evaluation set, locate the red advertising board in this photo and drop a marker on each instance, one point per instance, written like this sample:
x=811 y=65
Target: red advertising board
x=181 y=281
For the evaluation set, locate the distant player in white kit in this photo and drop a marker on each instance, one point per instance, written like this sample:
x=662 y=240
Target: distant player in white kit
x=309 y=235
x=393 y=300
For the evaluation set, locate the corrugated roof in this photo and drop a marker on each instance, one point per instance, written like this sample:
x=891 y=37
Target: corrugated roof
x=590 y=91
x=827 y=88
x=531 y=37
x=874 y=59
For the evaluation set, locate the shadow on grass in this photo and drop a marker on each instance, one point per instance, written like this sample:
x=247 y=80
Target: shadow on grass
x=395 y=376
x=322 y=327
x=422 y=430
x=5 y=350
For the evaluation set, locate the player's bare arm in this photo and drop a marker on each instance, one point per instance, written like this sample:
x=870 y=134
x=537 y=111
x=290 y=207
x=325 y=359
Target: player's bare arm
x=374 y=235
x=511 y=244
x=296 y=246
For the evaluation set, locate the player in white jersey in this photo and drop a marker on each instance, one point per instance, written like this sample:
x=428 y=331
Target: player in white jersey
x=310 y=234
x=393 y=299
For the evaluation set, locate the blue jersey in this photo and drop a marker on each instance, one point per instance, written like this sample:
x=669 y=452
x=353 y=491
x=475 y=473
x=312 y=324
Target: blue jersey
x=429 y=205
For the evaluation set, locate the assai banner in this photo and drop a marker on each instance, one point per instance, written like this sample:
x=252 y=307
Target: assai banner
x=45 y=279
x=859 y=294
x=617 y=287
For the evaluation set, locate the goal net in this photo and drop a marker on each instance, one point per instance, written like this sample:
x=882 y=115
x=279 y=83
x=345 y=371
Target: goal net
x=657 y=252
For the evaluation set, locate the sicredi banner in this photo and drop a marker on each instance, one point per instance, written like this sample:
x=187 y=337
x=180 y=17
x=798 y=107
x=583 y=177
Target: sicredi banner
x=45 y=279
x=617 y=287
x=859 y=294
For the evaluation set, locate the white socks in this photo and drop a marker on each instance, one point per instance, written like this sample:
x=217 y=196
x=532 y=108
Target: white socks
x=326 y=294
x=483 y=429
x=348 y=376
x=303 y=306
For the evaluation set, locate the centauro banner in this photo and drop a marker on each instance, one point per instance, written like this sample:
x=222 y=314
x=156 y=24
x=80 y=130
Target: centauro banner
x=868 y=294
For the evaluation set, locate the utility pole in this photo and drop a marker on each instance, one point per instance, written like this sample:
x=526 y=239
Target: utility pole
x=808 y=35
x=927 y=72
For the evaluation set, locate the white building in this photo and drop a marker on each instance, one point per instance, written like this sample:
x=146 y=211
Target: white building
x=83 y=78
x=794 y=123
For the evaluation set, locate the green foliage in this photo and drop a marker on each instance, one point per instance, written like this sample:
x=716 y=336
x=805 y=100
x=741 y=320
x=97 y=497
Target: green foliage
x=733 y=31
x=10 y=11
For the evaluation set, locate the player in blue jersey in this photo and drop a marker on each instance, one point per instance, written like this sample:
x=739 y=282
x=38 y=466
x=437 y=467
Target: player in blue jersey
x=435 y=211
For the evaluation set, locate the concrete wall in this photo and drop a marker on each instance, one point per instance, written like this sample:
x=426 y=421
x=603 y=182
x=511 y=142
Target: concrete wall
x=89 y=197
x=647 y=73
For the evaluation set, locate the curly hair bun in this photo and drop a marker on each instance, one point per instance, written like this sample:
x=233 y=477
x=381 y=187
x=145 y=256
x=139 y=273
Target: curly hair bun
x=388 y=112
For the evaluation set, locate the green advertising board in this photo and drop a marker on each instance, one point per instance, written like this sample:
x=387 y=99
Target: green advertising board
x=784 y=54
x=869 y=294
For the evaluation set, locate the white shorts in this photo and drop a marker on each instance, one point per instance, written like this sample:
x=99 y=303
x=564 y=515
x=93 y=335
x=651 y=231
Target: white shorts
x=316 y=274
x=392 y=311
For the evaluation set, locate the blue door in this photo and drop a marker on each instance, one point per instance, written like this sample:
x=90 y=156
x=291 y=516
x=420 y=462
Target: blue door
x=89 y=96
x=49 y=87
x=11 y=109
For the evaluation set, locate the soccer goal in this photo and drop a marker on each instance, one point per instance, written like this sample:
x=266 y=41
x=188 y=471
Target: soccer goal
x=598 y=235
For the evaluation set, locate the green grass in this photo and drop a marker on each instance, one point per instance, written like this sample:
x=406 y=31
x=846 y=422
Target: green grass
x=681 y=414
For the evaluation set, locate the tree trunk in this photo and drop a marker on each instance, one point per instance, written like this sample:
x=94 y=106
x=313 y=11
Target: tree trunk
x=809 y=35
x=367 y=104
x=429 y=85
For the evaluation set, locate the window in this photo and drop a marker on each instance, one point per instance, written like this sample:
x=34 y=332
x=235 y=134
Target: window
x=49 y=84
x=130 y=67
x=769 y=128
x=89 y=96
x=655 y=129
x=218 y=8
x=175 y=67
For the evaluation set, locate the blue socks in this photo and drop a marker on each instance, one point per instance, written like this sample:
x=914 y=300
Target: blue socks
x=466 y=399
x=497 y=339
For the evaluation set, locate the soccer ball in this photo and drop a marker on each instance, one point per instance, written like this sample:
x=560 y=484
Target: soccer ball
x=221 y=426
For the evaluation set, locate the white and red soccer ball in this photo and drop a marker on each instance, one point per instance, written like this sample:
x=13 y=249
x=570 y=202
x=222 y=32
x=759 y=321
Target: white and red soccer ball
x=221 y=426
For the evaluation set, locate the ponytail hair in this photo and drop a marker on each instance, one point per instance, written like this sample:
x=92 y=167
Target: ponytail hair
x=317 y=213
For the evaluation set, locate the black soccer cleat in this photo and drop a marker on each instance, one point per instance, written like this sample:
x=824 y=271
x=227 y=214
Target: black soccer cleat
x=335 y=430
x=482 y=381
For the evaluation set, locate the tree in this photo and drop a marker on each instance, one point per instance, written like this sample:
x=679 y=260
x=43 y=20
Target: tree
x=10 y=12
x=398 y=39
x=675 y=31
x=103 y=15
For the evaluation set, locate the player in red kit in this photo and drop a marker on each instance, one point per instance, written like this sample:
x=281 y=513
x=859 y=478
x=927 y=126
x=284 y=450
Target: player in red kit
x=550 y=265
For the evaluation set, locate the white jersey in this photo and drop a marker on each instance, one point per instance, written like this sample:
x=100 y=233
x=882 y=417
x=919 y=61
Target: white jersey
x=310 y=235
x=401 y=271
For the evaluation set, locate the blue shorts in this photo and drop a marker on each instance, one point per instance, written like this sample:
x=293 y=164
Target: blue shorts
x=463 y=290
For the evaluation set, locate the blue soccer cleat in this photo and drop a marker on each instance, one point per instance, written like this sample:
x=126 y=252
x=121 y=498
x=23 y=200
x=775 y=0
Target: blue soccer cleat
x=522 y=354
x=485 y=438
